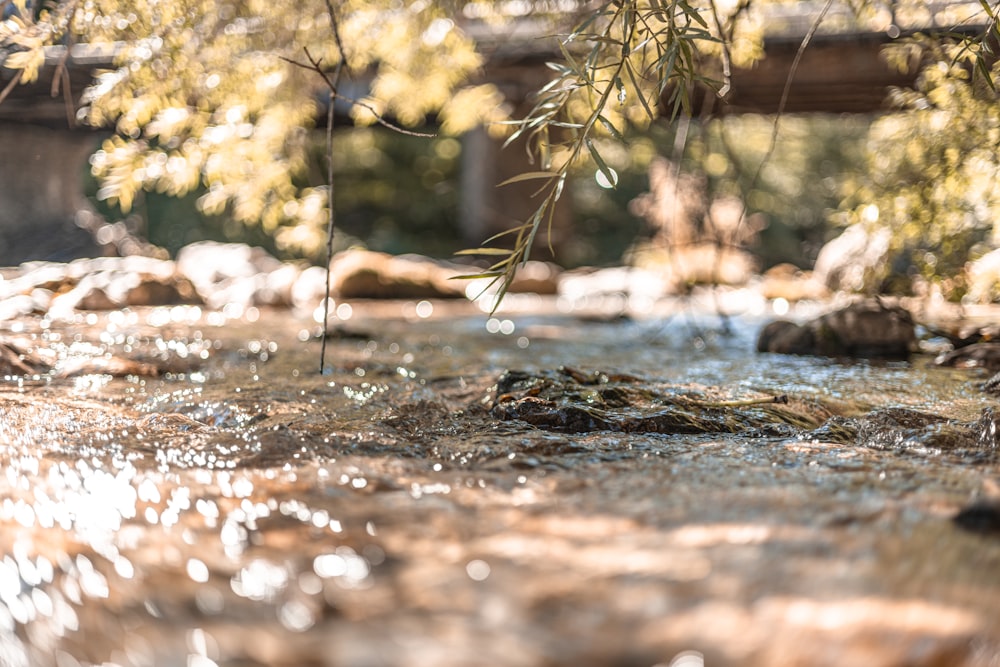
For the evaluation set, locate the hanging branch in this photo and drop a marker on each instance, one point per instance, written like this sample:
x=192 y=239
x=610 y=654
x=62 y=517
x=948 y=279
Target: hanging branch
x=316 y=65
x=773 y=142
x=332 y=83
x=624 y=48
x=10 y=86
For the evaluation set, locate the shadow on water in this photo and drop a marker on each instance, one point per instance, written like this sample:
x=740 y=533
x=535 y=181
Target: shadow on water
x=460 y=490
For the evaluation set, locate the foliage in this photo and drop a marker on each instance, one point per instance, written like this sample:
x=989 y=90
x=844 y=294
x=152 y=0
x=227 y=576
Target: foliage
x=205 y=95
x=619 y=63
x=932 y=173
x=203 y=99
x=804 y=178
x=206 y=98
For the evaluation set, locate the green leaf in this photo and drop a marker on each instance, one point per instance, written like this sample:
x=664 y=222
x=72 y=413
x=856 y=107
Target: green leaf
x=529 y=176
x=484 y=251
x=635 y=83
x=612 y=130
x=985 y=71
x=477 y=276
x=601 y=164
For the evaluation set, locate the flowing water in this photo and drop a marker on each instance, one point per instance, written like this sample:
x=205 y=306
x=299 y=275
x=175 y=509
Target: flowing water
x=243 y=509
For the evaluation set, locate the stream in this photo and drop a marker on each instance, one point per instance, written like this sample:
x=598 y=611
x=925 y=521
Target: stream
x=402 y=509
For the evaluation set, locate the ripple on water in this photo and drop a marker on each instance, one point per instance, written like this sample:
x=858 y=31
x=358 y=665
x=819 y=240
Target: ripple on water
x=263 y=514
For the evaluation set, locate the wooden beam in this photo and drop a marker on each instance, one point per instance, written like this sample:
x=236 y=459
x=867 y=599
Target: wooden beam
x=836 y=74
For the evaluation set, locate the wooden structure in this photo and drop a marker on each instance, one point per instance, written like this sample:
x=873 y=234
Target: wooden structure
x=837 y=74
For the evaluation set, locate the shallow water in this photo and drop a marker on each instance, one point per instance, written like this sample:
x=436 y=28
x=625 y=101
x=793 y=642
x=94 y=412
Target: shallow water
x=246 y=510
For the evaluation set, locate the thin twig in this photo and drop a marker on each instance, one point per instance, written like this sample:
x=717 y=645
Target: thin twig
x=10 y=86
x=777 y=119
x=383 y=122
x=331 y=220
x=788 y=87
x=61 y=76
x=68 y=99
x=727 y=70
x=739 y=403
x=330 y=193
x=314 y=66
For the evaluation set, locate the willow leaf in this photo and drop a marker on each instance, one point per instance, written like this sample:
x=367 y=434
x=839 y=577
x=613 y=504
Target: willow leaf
x=601 y=164
x=612 y=130
x=484 y=251
x=529 y=176
x=476 y=276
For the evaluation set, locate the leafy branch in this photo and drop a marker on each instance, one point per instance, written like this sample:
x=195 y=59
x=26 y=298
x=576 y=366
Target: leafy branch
x=332 y=83
x=617 y=63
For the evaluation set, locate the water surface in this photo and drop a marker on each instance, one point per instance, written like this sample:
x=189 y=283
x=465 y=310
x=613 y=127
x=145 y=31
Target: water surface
x=244 y=509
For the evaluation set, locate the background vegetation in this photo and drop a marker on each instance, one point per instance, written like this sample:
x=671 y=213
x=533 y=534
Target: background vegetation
x=212 y=109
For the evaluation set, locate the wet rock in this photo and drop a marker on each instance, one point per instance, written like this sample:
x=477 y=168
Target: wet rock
x=117 y=282
x=915 y=432
x=977 y=355
x=980 y=517
x=20 y=305
x=569 y=400
x=992 y=385
x=16 y=360
x=363 y=274
x=278 y=286
x=844 y=262
x=865 y=329
x=902 y=428
x=103 y=283
x=208 y=262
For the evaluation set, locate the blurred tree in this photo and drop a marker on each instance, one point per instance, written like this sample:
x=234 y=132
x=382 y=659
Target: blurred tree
x=932 y=172
x=205 y=95
x=202 y=98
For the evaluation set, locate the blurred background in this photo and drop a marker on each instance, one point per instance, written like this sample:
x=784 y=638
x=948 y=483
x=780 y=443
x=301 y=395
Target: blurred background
x=887 y=127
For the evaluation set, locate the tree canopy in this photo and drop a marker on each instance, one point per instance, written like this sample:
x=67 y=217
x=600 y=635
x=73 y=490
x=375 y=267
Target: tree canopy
x=218 y=96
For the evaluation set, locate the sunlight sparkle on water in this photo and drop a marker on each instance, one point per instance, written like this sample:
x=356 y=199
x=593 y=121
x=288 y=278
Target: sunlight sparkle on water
x=260 y=580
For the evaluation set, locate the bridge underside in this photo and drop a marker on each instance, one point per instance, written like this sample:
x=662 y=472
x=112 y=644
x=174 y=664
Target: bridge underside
x=42 y=185
x=836 y=74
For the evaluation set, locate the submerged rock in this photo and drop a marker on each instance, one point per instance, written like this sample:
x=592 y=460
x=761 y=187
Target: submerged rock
x=915 y=432
x=863 y=329
x=983 y=514
x=569 y=400
x=980 y=517
x=20 y=358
